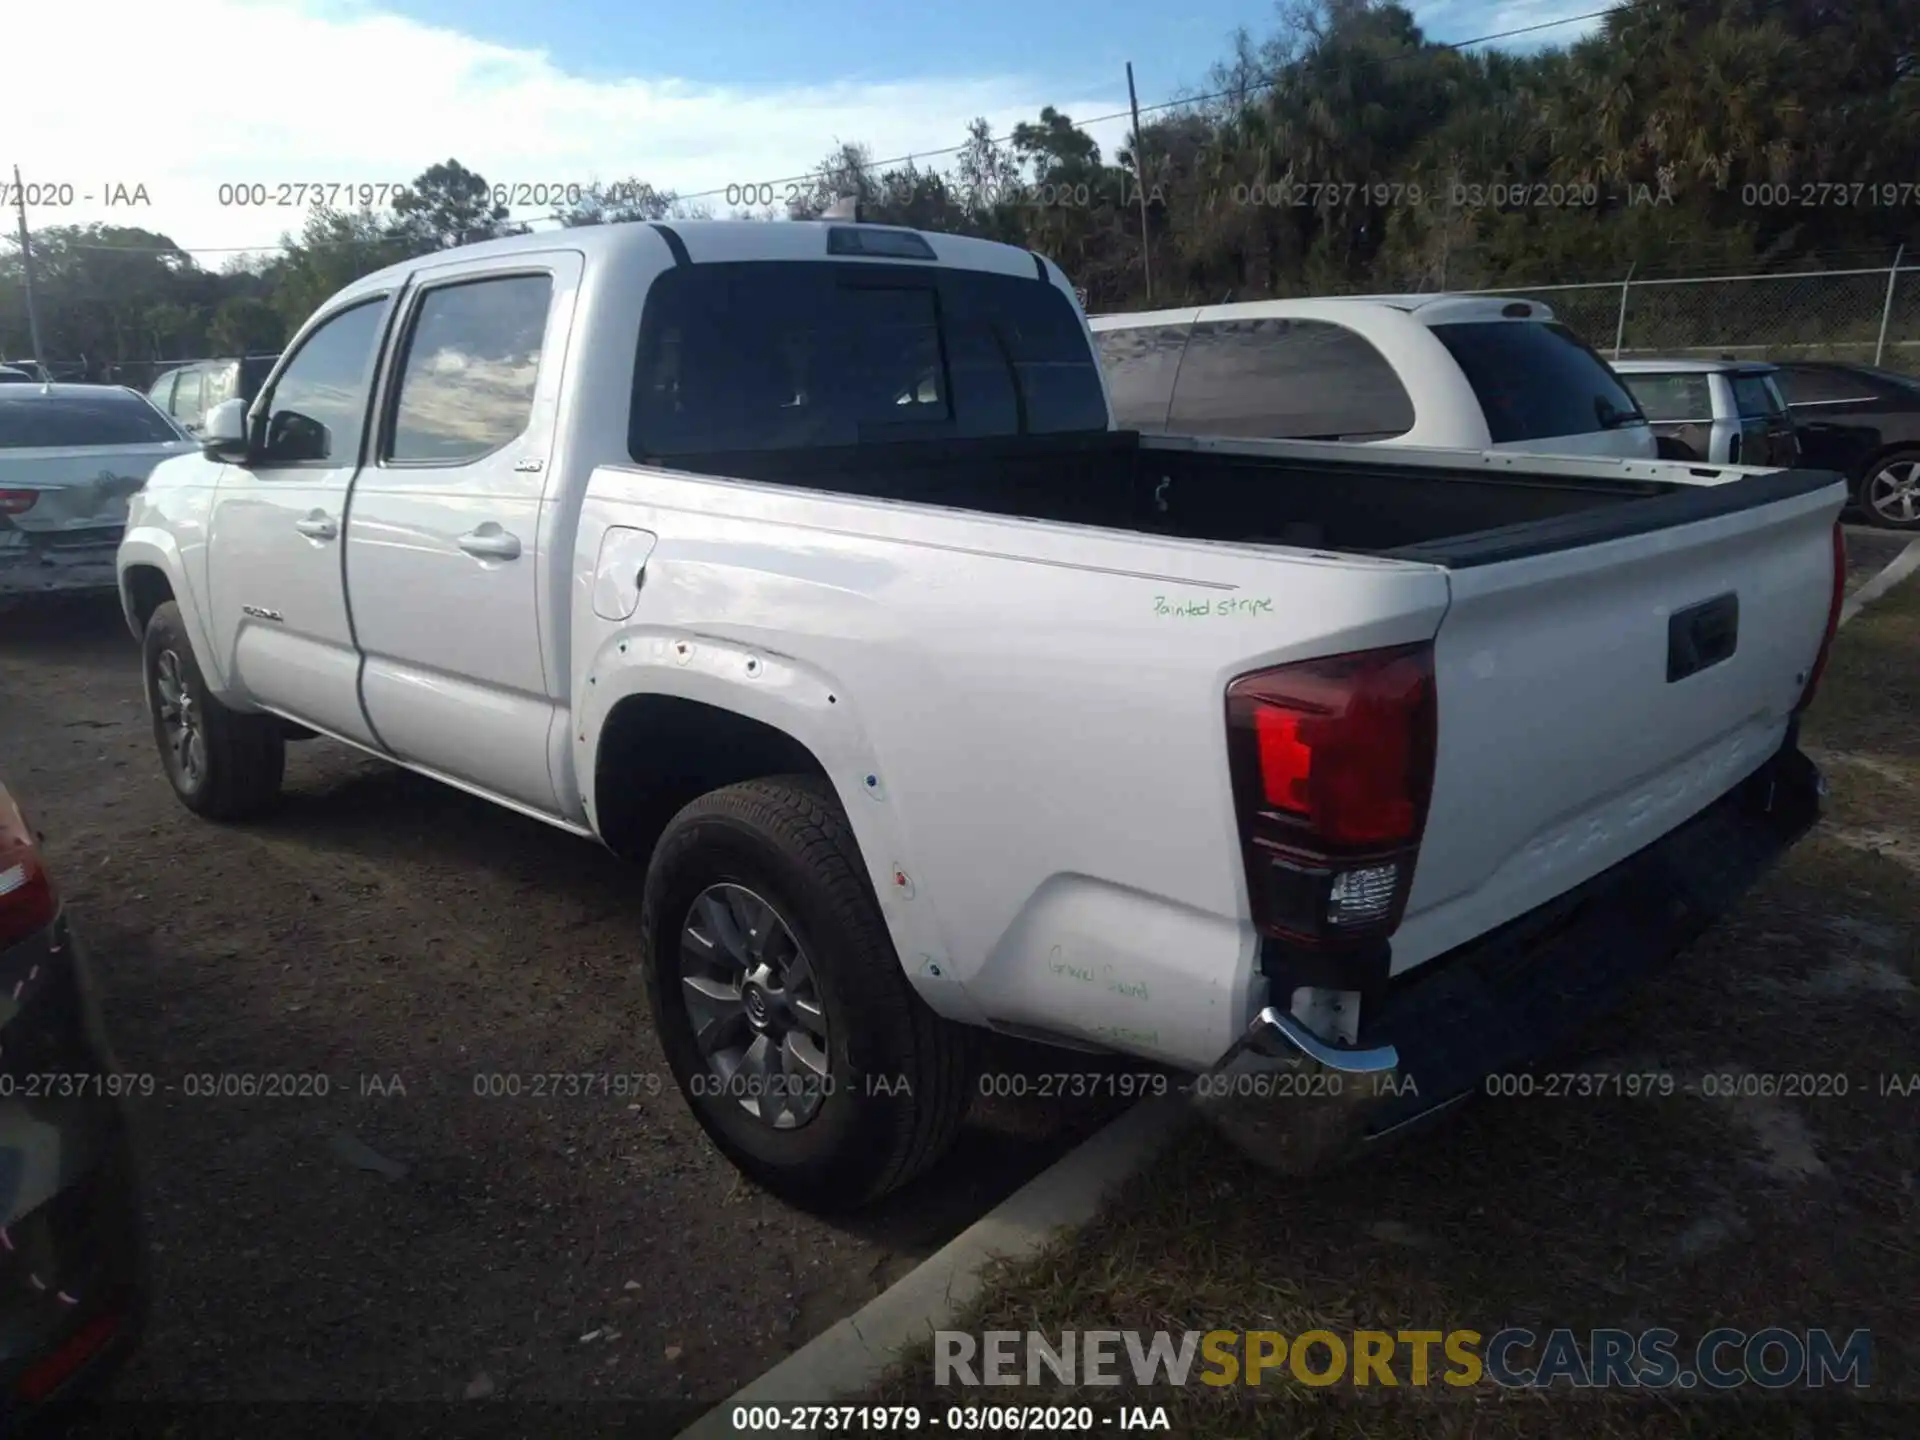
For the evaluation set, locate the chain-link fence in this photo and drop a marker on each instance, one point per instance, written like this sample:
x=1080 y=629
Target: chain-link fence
x=1870 y=316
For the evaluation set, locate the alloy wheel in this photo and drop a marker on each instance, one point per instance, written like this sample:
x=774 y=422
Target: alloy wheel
x=754 y=1005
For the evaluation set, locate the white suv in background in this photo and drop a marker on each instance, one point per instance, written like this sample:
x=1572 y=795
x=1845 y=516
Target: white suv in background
x=1460 y=372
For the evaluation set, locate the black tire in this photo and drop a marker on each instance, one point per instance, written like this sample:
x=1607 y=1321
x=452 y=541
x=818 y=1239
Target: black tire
x=1864 y=487
x=901 y=1076
x=241 y=757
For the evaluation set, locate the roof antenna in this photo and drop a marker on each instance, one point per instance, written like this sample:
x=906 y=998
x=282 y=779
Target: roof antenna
x=847 y=207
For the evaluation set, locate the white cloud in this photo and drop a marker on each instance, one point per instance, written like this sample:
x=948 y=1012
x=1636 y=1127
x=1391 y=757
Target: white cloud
x=184 y=97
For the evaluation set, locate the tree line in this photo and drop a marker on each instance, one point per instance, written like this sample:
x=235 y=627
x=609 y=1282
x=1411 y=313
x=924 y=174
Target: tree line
x=1344 y=152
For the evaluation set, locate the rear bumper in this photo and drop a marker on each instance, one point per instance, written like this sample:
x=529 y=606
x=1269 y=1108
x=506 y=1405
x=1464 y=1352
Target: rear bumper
x=34 y=562
x=1510 y=998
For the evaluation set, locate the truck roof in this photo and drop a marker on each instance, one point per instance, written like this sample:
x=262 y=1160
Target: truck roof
x=711 y=241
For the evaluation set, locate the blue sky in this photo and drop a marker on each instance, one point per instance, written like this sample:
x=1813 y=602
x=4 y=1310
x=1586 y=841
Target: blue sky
x=691 y=96
x=1075 y=46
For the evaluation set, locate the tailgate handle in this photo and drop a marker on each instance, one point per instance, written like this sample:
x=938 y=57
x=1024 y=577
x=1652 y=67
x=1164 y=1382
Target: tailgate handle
x=1702 y=636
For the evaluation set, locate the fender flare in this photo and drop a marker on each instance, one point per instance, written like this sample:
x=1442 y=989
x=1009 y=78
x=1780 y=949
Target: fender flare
x=805 y=703
x=157 y=549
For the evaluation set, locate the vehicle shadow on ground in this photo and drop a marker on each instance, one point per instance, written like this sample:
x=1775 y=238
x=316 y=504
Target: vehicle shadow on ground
x=86 y=624
x=1023 y=1118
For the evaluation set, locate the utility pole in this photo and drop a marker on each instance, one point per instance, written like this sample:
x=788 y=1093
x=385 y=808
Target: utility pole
x=1140 y=183
x=26 y=270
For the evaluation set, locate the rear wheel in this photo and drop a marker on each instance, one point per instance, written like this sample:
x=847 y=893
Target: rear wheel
x=222 y=764
x=786 y=1019
x=1890 y=491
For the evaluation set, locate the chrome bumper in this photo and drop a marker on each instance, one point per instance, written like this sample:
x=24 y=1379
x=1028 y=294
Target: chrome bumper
x=1289 y=1099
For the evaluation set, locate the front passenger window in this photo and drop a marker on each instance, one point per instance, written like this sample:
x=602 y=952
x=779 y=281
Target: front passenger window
x=319 y=407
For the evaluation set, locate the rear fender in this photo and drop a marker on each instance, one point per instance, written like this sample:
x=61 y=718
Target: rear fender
x=806 y=704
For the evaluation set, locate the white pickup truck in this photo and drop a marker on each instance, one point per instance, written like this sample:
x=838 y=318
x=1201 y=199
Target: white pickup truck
x=802 y=563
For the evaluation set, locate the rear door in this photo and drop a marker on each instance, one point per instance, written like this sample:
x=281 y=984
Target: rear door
x=1593 y=699
x=1544 y=390
x=442 y=543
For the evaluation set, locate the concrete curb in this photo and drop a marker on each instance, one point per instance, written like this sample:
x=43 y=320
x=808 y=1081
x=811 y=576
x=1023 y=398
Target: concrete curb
x=853 y=1354
x=1901 y=566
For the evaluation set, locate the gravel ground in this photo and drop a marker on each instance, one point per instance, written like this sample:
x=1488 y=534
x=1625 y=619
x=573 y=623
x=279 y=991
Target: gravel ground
x=382 y=1232
x=1869 y=551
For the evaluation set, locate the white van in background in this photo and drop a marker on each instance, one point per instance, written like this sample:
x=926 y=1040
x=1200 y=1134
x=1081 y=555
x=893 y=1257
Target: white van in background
x=1458 y=371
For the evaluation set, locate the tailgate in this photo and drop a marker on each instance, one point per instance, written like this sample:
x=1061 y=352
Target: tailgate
x=1591 y=699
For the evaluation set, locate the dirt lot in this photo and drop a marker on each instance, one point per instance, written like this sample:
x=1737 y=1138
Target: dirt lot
x=1690 y=1211
x=404 y=1237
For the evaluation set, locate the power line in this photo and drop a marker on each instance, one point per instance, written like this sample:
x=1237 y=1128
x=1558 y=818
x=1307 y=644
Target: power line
x=1239 y=91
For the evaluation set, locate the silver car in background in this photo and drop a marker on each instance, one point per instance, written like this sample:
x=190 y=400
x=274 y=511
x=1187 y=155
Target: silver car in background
x=71 y=456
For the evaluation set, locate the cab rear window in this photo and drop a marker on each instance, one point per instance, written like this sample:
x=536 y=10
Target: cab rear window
x=1537 y=380
x=765 y=356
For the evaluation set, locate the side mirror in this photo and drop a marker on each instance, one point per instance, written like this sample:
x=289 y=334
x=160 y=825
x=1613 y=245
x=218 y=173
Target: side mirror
x=222 y=432
x=293 y=436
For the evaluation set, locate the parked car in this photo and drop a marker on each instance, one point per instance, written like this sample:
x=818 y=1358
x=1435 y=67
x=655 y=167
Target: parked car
x=1463 y=372
x=190 y=391
x=13 y=375
x=802 y=563
x=73 y=1286
x=1722 y=412
x=70 y=455
x=1864 y=422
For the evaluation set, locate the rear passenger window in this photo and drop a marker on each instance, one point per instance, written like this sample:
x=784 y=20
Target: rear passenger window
x=1299 y=379
x=1140 y=362
x=1535 y=380
x=1673 y=397
x=221 y=385
x=466 y=386
x=185 y=405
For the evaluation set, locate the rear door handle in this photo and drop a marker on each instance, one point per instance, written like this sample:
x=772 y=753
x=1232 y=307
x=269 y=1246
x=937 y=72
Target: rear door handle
x=317 y=527
x=491 y=542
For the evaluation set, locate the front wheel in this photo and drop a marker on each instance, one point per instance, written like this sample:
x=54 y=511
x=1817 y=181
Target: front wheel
x=786 y=1019
x=1890 y=491
x=222 y=764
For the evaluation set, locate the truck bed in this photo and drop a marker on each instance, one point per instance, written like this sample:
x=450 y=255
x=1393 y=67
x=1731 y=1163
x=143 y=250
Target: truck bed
x=1441 y=507
x=1052 y=647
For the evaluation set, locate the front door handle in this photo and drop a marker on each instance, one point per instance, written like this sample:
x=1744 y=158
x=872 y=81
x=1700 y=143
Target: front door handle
x=491 y=542
x=317 y=527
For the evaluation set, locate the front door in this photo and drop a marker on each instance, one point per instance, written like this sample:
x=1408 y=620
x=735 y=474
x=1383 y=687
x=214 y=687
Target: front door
x=279 y=596
x=443 y=541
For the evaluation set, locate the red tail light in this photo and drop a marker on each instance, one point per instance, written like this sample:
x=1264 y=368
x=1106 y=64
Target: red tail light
x=27 y=901
x=17 y=502
x=1332 y=763
x=1834 y=605
x=47 y=1374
